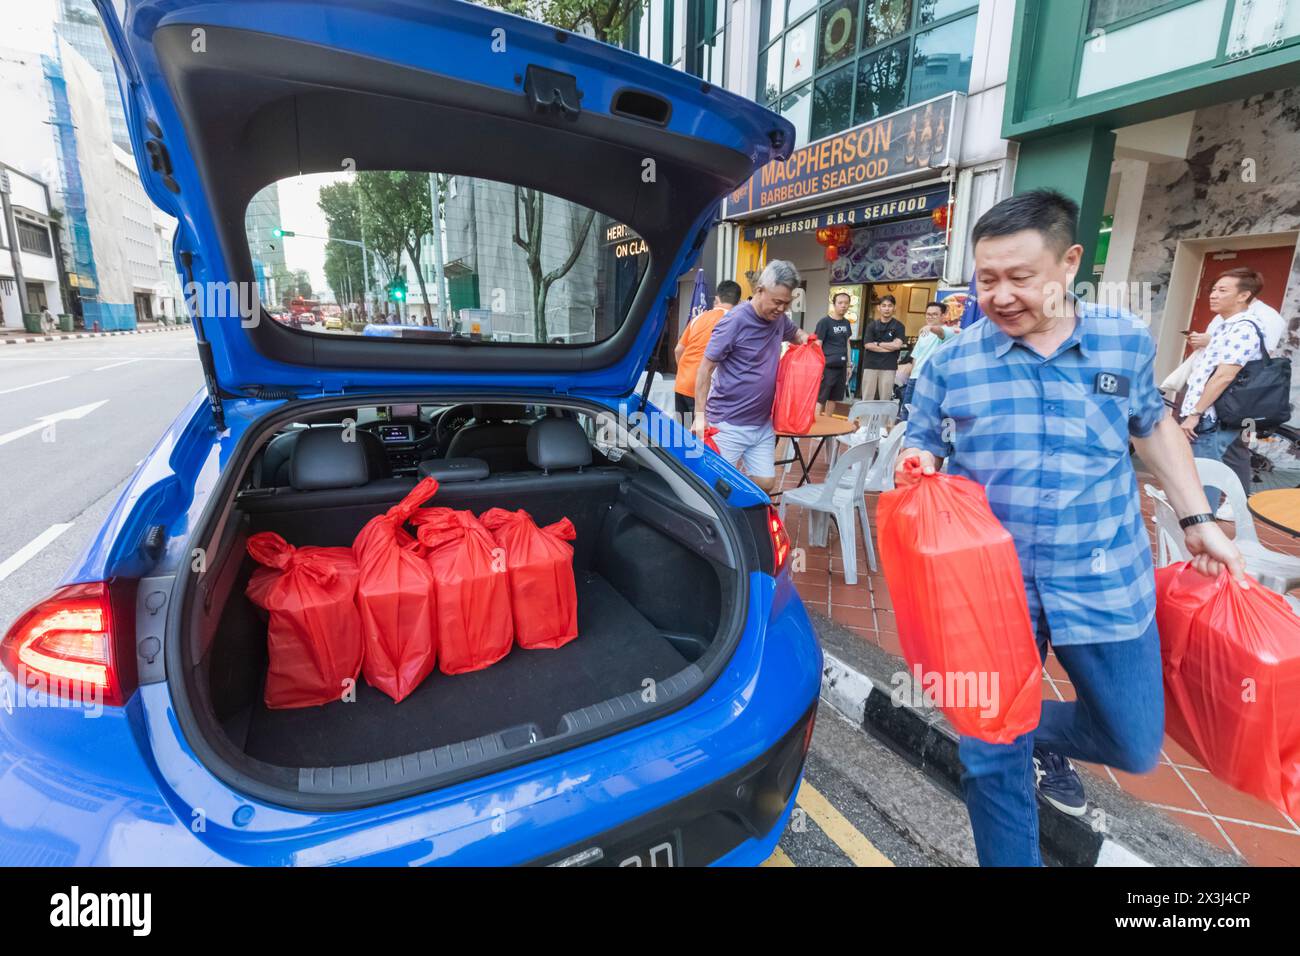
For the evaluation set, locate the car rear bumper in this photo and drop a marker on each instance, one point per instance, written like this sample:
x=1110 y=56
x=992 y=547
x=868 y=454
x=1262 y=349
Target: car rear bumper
x=730 y=822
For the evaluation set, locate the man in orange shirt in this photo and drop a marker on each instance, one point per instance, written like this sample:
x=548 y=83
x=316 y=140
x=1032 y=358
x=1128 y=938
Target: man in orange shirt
x=695 y=338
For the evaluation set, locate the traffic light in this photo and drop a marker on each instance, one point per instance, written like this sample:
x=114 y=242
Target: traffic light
x=281 y=233
x=397 y=289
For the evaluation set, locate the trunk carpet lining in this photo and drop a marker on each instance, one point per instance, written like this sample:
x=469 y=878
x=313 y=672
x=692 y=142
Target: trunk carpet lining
x=616 y=649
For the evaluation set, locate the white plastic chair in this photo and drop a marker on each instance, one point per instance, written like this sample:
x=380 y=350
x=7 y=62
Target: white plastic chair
x=1276 y=571
x=1170 y=546
x=870 y=417
x=846 y=505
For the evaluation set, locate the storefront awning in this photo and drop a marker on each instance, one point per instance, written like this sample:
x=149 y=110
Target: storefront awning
x=905 y=205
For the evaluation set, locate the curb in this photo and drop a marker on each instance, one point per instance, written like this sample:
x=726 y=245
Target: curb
x=14 y=340
x=1118 y=829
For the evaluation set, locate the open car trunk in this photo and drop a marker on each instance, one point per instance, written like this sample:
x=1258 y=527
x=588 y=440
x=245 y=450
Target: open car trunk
x=658 y=591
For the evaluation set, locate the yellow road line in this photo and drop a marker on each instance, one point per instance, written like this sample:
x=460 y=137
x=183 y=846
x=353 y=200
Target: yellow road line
x=778 y=858
x=836 y=826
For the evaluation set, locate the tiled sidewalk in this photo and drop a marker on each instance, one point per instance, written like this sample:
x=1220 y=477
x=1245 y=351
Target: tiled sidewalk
x=1232 y=821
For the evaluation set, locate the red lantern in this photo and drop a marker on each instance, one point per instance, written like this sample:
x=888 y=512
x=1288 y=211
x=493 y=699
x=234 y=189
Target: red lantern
x=832 y=253
x=824 y=236
x=940 y=217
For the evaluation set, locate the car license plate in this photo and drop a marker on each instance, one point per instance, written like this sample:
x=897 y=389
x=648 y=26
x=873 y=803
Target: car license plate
x=663 y=849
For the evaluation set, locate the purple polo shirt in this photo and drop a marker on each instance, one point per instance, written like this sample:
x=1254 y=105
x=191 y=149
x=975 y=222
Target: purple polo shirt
x=746 y=349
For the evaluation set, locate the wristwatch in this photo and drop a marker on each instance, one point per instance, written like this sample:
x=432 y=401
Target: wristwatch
x=1195 y=519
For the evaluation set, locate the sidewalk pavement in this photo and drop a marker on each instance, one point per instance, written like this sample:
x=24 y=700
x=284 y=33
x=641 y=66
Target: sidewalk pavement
x=1147 y=815
x=19 y=336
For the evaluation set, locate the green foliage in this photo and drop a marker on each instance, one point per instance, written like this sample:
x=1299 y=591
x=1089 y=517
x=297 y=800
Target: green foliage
x=605 y=19
x=344 y=270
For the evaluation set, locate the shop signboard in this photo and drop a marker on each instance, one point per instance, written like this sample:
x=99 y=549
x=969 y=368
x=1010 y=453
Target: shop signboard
x=905 y=205
x=912 y=143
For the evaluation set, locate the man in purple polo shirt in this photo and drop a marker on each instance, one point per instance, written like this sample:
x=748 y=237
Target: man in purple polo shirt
x=745 y=349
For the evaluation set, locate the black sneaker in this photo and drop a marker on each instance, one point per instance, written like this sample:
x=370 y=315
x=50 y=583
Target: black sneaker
x=1058 y=783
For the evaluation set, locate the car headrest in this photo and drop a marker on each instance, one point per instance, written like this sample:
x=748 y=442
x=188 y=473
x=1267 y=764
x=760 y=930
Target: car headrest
x=558 y=443
x=498 y=413
x=322 y=459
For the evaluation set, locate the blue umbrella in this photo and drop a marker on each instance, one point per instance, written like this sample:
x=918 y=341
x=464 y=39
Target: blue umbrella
x=699 y=295
x=971 y=314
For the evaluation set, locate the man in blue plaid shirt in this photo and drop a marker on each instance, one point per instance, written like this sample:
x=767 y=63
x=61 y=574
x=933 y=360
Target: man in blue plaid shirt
x=1038 y=402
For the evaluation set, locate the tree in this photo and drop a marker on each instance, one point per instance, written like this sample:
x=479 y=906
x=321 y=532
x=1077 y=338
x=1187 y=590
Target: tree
x=603 y=19
x=344 y=270
x=532 y=203
x=396 y=214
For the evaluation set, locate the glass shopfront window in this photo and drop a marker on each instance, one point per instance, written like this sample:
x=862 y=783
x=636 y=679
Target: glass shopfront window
x=941 y=59
x=832 y=65
x=832 y=103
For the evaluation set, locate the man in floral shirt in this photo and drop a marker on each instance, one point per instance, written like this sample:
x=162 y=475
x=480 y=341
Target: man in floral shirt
x=1236 y=341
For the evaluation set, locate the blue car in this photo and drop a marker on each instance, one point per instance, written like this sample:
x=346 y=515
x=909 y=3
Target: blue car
x=572 y=183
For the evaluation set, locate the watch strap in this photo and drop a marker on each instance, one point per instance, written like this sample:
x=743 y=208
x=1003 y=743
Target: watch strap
x=1195 y=519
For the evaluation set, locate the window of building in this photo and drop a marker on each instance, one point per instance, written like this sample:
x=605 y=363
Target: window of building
x=651 y=30
x=705 y=37
x=1104 y=13
x=832 y=65
x=34 y=238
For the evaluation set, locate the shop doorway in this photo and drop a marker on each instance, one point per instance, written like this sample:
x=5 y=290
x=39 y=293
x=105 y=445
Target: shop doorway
x=1272 y=262
x=143 y=307
x=912 y=298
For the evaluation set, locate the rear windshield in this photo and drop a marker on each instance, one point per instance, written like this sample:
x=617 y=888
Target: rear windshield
x=425 y=257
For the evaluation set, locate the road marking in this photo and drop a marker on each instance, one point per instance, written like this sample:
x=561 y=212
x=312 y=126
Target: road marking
x=48 y=381
x=104 y=368
x=836 y=826
x=31 y=549
x=81 y=411
x=778 y=858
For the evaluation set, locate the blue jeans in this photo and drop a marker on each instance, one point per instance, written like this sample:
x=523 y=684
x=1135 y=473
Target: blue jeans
x=1213 y=444
x=908 y=389
x=1117 y=719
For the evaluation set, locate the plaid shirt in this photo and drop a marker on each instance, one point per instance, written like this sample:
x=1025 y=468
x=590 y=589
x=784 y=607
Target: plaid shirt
x=1048 y=440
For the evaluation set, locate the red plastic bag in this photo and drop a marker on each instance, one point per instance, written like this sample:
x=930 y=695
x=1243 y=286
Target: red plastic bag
x=543 y=595
x=314 y=635
x=798 y=380
x=471 y=588
x=712 y=445
x=959 y=596
x=1232 y=680
x=396 y=601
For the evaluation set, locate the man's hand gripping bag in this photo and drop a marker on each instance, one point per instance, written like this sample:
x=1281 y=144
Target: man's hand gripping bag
x=1232 y=680
x=396 y=600
x=471 y=589
x=959 y=597
x=543 y=595
x=313 y=639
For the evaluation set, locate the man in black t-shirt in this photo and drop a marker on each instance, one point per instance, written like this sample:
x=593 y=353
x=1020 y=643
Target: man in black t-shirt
x=882 y=340
x=833 y=331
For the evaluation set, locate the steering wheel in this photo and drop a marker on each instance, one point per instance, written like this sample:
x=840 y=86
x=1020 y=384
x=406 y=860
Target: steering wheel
x=449 y=422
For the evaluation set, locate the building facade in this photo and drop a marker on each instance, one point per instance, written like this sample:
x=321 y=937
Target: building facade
x=1175 y=124
x=28 y=234
x=897 y=107
x=79 y=25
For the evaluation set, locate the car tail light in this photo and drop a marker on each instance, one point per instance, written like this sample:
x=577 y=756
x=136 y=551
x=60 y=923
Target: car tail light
x=780 y=540
x=77 y=644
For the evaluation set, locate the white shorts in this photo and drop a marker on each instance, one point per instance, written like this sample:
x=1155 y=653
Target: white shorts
x=753 y=446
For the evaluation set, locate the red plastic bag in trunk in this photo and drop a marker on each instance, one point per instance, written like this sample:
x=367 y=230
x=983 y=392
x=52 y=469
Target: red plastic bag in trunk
x=313 y=639
x=709 y=441
x=471 y=588
x=396 y=600
x=1232 y=680
x=543 y=596
x=959 y=596
x=798 y=379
